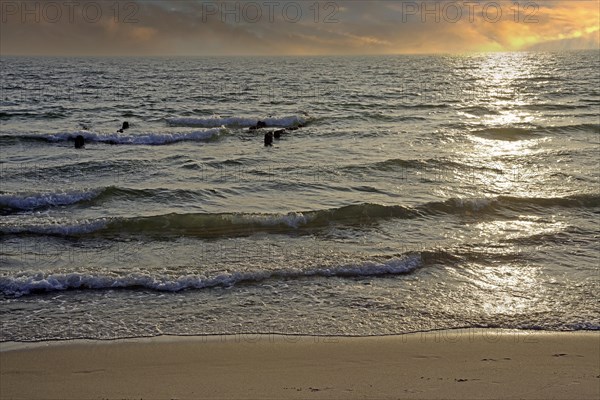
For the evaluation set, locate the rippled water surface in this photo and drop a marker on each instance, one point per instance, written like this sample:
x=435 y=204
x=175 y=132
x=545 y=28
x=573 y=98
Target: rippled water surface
x=419 y=192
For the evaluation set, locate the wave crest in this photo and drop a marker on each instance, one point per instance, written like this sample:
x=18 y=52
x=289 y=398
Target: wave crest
x=32 y=201
x=15 y=286
x=216 y=121
x=121 y=138
x=243 y=224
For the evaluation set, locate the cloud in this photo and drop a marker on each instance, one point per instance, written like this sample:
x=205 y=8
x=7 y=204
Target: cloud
x=584 y=42
x=289 y=28
x=543 y=24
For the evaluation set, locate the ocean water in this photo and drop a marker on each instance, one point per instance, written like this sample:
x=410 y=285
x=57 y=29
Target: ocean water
x=419 y=193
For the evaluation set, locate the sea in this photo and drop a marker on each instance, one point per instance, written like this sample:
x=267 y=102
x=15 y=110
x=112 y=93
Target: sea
x=417 y=193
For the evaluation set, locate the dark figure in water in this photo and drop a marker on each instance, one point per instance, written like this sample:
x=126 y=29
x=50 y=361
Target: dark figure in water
x=259 y=125
x=269 y=139
x=79 y=142
x=124 y=127
x=277 y=134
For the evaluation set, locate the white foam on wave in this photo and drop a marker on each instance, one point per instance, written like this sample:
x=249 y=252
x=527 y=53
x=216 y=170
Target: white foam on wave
x=52 y=226
x=23 y=284
x=31 y=201
x=473 y=203
x=215 y=121
x=137 y=139
x=292 y=219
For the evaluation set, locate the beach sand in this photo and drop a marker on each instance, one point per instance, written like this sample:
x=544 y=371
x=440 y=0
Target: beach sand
x=461 y=364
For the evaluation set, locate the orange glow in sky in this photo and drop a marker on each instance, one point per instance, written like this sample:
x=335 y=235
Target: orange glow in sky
x=295 y=28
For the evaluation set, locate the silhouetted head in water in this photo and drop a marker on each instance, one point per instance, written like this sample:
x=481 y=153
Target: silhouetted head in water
x=269 y=139
x=277 y=134
x=124 y=127
x=79 y=142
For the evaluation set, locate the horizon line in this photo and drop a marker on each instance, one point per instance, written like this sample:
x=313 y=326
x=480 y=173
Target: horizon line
x=296 y=55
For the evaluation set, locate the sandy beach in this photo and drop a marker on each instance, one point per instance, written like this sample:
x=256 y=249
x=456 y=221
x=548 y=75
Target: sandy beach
x=465 y=364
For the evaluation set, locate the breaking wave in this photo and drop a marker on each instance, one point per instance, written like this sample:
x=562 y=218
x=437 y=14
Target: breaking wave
x=122 y=138
x=216 y=121
x=206 y=225
x=24 y=284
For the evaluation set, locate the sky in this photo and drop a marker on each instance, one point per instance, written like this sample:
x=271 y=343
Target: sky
x=271 y=27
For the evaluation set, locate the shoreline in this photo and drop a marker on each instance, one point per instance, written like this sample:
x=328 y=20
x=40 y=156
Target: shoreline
x=461 y=333
x=10 y=345
x=462 y=363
